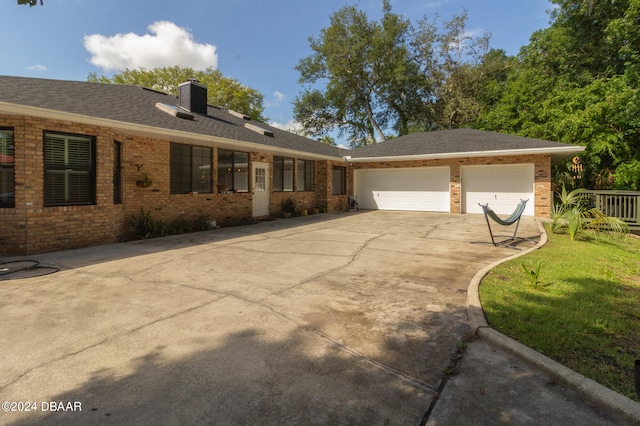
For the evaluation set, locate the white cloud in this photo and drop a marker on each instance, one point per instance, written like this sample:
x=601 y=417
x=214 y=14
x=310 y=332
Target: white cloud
x=290 y=126
x=37 y=67
x=277 y=99
x=165 y=45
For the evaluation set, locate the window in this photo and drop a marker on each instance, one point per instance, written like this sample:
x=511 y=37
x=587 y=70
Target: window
x=339 y=180
x=69 y=169
x=117 y=172
x=233 y=171
x=306 y=176
x=190 y=169
x=282 y=174
x=7 y=171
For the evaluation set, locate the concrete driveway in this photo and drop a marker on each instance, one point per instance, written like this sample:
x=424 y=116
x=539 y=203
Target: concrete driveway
x=348 y=318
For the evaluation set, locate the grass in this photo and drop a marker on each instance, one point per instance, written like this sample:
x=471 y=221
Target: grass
x=582 y=310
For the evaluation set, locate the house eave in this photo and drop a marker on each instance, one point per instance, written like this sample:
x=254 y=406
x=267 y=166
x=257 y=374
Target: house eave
x=557 y=154
x=134 y=129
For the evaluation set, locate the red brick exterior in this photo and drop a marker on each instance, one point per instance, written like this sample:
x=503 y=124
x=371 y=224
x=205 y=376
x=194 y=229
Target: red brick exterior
x=32 y=228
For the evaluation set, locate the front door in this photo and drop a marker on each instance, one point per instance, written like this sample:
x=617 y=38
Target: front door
x=261 y=192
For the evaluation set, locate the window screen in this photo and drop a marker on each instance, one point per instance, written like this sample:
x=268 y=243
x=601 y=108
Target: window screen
x=339 y=180
x=282 y=174
x=305 y=176
x=233 y=171
x=190 y=169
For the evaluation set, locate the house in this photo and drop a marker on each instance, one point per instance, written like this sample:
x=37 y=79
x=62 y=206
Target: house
x=78 y=160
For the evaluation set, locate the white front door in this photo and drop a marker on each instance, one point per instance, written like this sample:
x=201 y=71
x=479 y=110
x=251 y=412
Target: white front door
x=261 y=192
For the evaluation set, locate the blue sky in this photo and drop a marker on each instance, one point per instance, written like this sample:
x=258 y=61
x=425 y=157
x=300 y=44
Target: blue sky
x=257 y=42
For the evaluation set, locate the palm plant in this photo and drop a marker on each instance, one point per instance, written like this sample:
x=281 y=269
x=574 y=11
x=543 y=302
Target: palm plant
x=574 y=215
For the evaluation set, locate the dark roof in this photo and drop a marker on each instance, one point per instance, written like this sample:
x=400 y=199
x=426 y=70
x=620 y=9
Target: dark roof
x=136 y=105
x=447 y=142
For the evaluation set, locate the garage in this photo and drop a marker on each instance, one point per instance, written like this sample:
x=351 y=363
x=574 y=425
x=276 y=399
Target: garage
x=500 y=186
x=408 y=189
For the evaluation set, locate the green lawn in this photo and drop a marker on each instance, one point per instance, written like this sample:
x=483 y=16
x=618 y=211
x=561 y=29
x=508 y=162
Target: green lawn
x=585 y=310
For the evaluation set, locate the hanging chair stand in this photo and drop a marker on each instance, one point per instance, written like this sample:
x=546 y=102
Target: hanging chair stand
x=513 y=219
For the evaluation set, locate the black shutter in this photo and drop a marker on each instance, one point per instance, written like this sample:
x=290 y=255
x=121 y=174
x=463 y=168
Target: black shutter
x=69 y=170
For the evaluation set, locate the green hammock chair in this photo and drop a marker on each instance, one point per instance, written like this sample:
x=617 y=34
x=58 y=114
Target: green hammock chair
x=513 y=218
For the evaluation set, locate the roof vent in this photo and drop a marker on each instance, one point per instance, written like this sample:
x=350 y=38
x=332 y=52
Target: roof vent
x=193 y=96
x=239 y=114
x=174 y=110
x=258 y=129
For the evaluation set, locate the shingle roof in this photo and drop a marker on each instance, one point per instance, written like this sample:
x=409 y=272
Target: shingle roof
x=456 y=141
x=136 y=105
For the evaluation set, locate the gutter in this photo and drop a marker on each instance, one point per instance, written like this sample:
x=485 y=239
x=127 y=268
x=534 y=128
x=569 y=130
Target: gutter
x=557 y=154
x=158 y=132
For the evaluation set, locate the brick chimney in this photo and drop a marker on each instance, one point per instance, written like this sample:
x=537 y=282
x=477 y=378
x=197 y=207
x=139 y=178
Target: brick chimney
x=192 y=96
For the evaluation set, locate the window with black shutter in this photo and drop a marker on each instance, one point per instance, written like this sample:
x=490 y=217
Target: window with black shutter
x=69 y=169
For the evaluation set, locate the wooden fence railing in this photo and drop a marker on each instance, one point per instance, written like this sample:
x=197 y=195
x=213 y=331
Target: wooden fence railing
x=624 y=205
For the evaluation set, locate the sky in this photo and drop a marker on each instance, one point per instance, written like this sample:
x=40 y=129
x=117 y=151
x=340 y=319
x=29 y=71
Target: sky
x=256 y=42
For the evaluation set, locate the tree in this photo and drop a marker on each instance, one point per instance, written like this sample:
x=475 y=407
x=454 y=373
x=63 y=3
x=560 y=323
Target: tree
x=344 y=54
x=31 y=3
x=372 y=83
x=578 y=82
x=387 y=78
x=328 y=140
x=223 y=91
x=460 y=57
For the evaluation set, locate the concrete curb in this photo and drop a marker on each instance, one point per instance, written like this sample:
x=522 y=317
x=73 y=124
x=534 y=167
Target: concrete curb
x=476 y=314
x=598 y=394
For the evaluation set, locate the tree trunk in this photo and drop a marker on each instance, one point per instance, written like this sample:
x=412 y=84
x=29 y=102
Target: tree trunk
x=372 y=120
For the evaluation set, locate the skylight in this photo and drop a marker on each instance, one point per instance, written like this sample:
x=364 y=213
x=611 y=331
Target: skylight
x=239 y=114
x=258 y=129
x=174 y=110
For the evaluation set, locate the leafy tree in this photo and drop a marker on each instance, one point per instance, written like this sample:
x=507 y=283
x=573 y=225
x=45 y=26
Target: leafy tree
x=346 y=54
x=223 y=91
x=31 y=3
x=328 y=140
x=388 y=78
x=577 y=82
x=460 y=57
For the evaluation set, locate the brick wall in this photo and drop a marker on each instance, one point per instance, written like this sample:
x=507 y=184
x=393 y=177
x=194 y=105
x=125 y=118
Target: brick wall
x=32 y=228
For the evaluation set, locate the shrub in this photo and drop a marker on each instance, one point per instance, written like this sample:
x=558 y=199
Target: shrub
x=289 y=207
x=574 y=216
x=145 y=226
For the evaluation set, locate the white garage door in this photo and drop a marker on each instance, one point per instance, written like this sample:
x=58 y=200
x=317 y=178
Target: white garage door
x=502 y=187
x=416 y=189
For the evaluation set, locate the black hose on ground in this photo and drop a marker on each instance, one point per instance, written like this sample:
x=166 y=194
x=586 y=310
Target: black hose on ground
x=16 y=269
